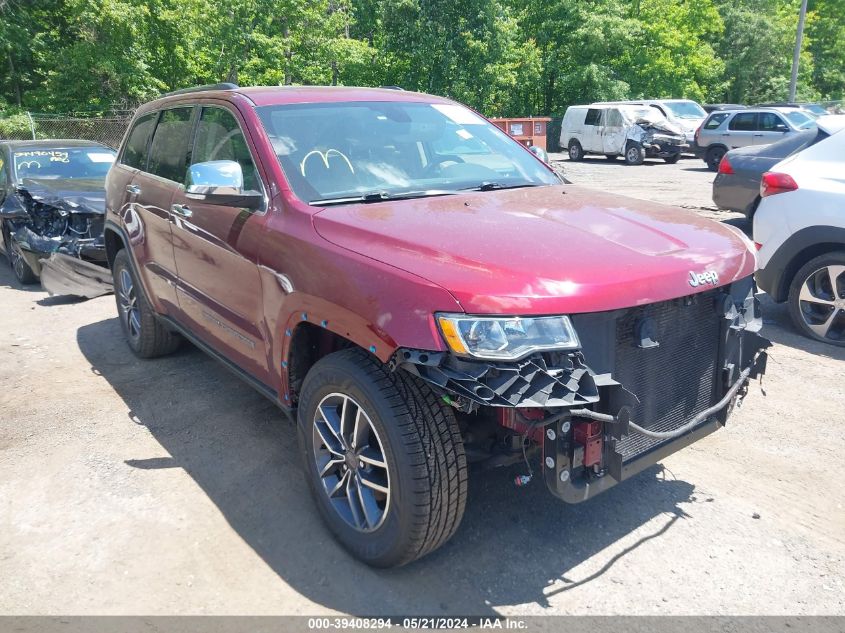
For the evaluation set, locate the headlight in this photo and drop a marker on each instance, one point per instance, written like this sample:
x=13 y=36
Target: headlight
x=508 y=338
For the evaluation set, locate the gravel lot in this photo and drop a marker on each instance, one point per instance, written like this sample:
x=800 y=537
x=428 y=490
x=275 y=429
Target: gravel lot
x=169 y=487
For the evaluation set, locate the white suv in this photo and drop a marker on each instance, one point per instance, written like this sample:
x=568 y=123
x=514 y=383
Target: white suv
x=799 y=230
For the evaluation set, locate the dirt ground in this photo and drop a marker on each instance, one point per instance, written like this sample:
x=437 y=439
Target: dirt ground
x=169 y=487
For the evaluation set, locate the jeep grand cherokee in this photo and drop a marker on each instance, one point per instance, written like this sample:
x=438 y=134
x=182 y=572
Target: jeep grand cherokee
x=419 y=291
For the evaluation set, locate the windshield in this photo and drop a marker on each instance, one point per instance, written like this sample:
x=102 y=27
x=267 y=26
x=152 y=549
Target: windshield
x=800 y=119
x=686 y=109
x=815 y=108
x=652 y=115
x=390 y=149
x=61 y=162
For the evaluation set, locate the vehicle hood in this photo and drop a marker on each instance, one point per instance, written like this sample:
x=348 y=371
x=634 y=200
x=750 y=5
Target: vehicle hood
x=543 y=250
x=74 y=195
x=688 y=125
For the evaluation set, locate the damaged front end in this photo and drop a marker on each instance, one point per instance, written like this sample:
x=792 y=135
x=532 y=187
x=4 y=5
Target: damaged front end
x=659 y=139
x=44 y=223
x=645 y=382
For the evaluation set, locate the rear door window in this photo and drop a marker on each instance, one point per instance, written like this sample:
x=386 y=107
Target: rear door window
x=593 y=117
x=743 y=122
x=135 y=152
x=171 y=144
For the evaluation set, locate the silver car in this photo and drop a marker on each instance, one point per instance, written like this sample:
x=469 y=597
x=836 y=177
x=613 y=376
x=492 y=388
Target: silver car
x=726 y=130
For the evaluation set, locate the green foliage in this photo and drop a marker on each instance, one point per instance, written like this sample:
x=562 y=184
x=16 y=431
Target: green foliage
x=14 y=126
x=503 y=57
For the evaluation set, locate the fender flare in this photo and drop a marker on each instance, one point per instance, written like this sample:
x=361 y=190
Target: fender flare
x=797 y=250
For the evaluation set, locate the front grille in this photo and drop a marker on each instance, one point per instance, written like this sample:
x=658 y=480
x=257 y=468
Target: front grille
x=676 y=380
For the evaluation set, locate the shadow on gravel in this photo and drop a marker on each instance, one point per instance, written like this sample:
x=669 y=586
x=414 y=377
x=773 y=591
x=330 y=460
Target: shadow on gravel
x=242 y=452
x=8 y=279
x=778 y=328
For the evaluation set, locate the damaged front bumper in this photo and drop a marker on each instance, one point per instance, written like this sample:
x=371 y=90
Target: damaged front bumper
x=647 y=382
x=663 y=147
x=34 y=248
x=42 y=225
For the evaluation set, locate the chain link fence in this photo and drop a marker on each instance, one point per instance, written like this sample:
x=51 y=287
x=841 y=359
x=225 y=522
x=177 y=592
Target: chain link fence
x=106 y=128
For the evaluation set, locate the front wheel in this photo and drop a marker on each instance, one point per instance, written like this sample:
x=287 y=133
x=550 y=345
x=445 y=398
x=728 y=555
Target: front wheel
x=146 y=335
x=22 y=270
x=817 y=298
x=383 y=457
x=634 y=154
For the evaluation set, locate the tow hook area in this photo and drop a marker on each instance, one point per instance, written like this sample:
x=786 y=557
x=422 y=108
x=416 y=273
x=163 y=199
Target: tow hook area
x=588 y=436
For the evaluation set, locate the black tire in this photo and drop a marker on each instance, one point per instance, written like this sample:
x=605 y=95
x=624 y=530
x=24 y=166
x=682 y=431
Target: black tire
x=674 y=158
x=634 y=154
x=801 y=312
x=22 y=270
x=146 y=335
x=576 y=152
x=611 y=157
x=422 y=448
x=714 y=156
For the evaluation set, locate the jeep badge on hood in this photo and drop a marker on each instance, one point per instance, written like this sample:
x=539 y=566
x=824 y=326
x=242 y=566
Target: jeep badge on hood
x=707 y=277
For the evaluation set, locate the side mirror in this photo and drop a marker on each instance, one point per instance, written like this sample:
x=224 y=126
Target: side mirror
x=539 y=152
x=221 y=182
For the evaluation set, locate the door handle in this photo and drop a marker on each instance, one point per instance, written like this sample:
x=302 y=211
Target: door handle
x=135 y=190
x=758 y=135
x=181 y=209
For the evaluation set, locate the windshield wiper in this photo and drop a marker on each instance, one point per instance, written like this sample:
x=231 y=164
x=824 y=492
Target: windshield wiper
x=380 y=196
x=490 y=186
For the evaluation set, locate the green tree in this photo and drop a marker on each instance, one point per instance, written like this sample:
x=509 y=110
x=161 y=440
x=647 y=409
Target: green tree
x=826 y=34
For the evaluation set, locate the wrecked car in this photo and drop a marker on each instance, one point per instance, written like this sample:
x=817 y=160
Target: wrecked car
x=635 y=132
x=52 y=203
x=415 y=302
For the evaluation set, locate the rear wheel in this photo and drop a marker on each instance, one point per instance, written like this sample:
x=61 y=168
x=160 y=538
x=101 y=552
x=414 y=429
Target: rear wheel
x=576 y=152
x=714 y=157
x=634 y=154
x=383 y=456
x=674 y=158
x=146 y=335
x=817 y=298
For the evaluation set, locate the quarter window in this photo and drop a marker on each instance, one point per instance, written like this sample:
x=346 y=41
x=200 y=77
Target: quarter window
x=135 y=152
x=743 y=122
x=715 y=120
x=171 y=142
x=219 y=137
x=593 y=116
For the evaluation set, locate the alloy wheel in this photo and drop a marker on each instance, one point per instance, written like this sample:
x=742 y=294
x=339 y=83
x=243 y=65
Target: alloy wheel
x=128 y=302
x=351 y=462
x=822 y=302
x=18 y=262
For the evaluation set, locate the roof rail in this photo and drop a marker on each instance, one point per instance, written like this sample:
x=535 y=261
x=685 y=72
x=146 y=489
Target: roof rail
x=221 y=86
x=392 y=88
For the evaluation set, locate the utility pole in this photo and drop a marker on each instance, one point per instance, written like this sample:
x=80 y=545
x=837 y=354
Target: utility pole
x=793 y=82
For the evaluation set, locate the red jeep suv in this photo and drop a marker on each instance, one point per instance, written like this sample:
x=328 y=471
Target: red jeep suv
x=419 y=291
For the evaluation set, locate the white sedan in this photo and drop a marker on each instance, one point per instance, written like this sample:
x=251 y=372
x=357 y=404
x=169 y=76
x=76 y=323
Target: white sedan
x=799 y=231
